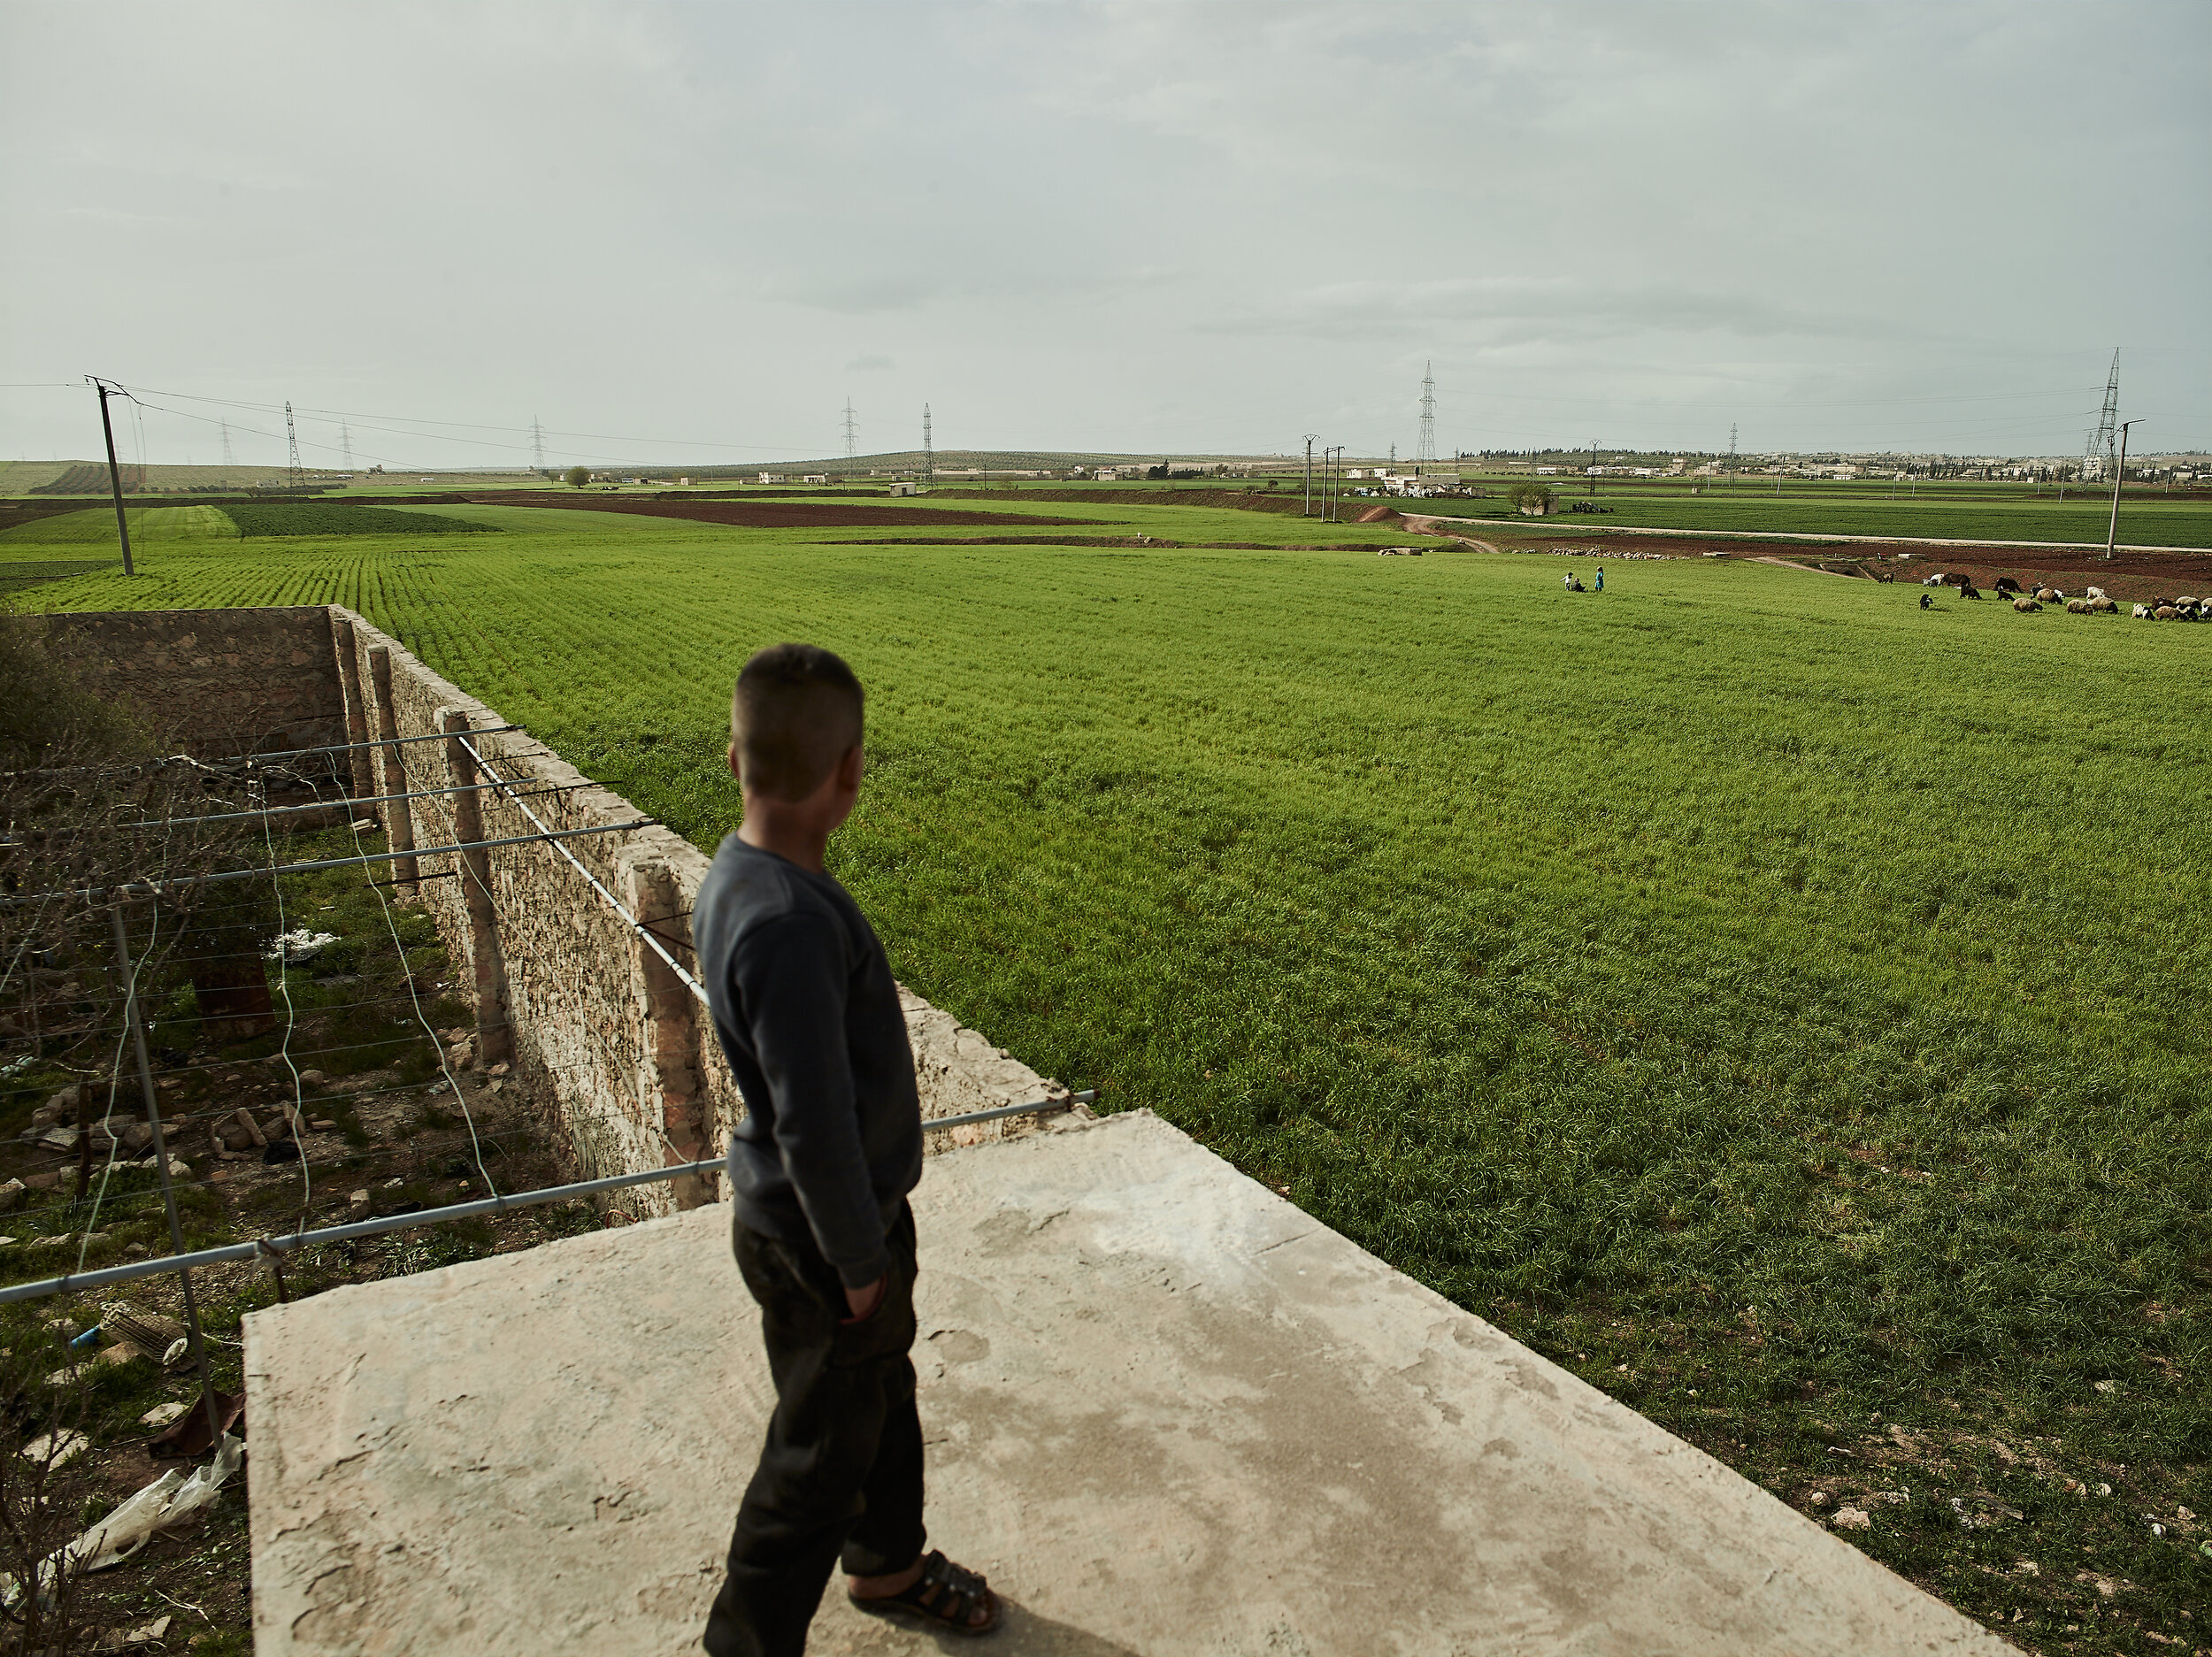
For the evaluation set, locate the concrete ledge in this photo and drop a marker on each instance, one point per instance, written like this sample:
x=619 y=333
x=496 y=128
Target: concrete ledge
x=1167 y=1412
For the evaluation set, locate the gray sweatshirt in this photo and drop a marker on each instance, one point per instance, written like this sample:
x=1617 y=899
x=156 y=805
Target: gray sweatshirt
x=806 y=1009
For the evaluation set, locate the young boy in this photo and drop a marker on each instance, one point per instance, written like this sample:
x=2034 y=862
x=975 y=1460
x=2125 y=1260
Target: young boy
x=830 y=1146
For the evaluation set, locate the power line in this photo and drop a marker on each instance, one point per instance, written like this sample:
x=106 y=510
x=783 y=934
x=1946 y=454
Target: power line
x=345 y=443
x=851 y=431
x=227 y=461
x=537 y=442
x=929 y=454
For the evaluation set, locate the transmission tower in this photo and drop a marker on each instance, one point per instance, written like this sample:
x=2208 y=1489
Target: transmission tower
x=227 y=461
x=297 y=479
x=1426 y=454
x=537 y=442
x=929 y=454
x=2098 y=453
x=345 y=443
x=852 y=430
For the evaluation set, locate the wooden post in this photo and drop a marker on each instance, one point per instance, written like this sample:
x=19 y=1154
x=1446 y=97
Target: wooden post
x=362 y=761
x=399 y=816
x=493 y=1038
x=671 y=1026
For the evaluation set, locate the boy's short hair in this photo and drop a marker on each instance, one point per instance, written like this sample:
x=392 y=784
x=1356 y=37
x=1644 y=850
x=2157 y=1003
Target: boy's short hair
x=796 y=711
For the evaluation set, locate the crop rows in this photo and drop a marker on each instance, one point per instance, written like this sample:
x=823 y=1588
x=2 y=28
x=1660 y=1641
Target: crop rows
x=1772 y=1001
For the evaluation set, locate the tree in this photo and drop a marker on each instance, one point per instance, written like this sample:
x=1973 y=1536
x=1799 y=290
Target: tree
x=1532 y=498
x=578 y=476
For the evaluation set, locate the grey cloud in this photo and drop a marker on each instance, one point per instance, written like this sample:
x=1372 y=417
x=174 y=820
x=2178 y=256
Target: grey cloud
x=1529 y=309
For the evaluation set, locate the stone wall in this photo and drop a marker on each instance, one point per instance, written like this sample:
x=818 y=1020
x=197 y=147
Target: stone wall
x=593 y=1016
x=216 y=682
x=564 y=987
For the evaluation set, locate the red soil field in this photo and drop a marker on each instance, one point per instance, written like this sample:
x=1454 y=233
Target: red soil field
x=773 y=514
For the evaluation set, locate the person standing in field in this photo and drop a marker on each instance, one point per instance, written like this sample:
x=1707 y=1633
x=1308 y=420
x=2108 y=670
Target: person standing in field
x=1601 y=578
x=831 y=1144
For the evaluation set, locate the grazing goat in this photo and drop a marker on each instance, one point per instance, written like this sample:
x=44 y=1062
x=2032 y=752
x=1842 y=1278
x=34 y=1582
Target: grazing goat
x=2077 y=607
x=2025 y=605
x=2093 y=592
x=2166 y=613
x=2103 y=606
x=2006 y=584
x=2142 y=612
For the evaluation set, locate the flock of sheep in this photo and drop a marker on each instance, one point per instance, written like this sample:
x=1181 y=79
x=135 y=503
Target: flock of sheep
x=2091 y=602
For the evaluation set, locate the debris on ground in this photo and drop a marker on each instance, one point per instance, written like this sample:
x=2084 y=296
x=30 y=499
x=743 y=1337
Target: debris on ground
x=153 y=1633
x=56 y=1448
x=188 y=1436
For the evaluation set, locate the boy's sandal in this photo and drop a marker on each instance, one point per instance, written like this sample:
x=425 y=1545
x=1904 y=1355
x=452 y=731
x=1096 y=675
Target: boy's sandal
x=945 y=1595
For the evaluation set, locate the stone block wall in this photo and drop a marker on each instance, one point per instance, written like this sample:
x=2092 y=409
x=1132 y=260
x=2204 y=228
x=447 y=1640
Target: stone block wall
x=594 y=1018
x=218 y=682
x=564 y=987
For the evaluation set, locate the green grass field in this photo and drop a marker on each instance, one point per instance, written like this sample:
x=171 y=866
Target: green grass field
x=1782 y=1006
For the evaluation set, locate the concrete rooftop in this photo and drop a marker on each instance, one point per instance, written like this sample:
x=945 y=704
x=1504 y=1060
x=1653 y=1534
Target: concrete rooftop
x=1167 y=1412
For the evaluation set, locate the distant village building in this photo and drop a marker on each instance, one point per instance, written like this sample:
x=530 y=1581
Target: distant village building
x=771 y=477
x=815 y=477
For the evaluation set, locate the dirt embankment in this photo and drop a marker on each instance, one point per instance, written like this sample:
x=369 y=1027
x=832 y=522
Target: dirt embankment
x=773 y=514
x=1235 y=500
x=2130 y=576
x=2135 y=577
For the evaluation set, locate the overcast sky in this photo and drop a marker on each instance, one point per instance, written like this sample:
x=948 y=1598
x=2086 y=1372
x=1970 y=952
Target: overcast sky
x=1134 y=227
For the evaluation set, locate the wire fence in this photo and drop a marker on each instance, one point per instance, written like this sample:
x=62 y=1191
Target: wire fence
x=276 y=1041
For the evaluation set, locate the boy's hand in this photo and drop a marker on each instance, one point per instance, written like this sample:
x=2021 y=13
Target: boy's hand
x=864 y=1301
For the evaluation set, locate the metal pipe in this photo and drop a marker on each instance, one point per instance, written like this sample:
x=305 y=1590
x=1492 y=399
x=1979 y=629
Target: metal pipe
x=322 y=805
x=265 y=1247
x=244 y=759
x=141 y=888
x=344 y=748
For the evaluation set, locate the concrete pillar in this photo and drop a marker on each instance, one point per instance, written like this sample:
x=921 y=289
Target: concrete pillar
x=399 y=817
x=493 y=1038
x=674 y=1022
x=362 y=763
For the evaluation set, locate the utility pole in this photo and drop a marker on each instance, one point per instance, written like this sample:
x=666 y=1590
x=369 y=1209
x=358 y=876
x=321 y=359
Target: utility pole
x=345 y=443
x=2112 y=530
x=1593 y=466
x=297 y=481
x=227 y=461
x=1425 y=456
x=1308 y=512
x=929 y=454
x=852 y=429
x=537 y=443
x=115 y=474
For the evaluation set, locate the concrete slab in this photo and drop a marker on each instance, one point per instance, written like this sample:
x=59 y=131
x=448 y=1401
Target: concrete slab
x=1167 y=1412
